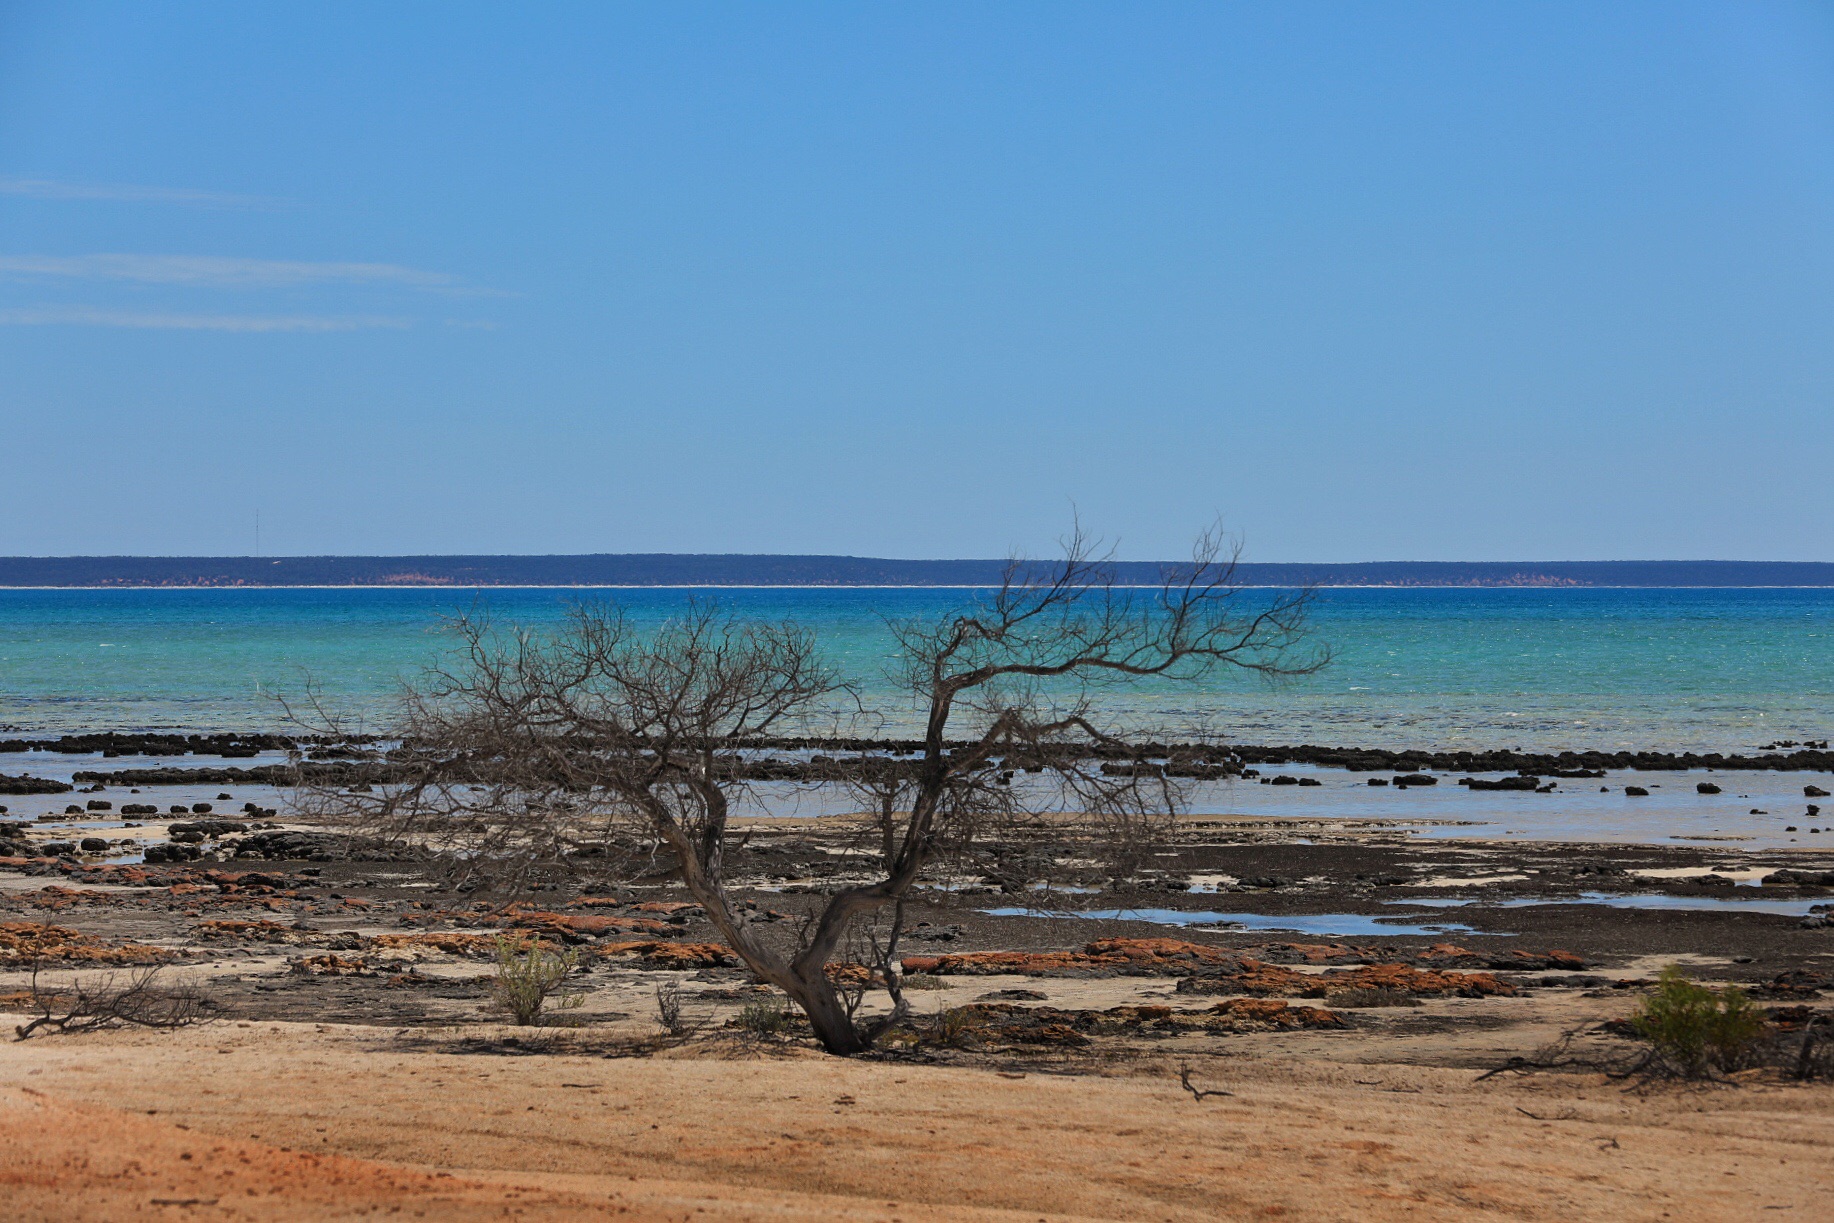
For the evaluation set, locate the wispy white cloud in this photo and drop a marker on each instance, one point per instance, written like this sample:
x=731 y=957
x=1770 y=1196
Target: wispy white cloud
x=82 y=316
x=221 y=272
x=128 y=193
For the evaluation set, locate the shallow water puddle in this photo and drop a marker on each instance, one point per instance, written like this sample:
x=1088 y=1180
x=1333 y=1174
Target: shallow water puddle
x=1349 y=924
x=1611 y=900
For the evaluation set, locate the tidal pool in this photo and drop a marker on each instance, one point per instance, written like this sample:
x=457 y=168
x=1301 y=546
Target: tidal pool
x=1612 y=900
x=1351 y=924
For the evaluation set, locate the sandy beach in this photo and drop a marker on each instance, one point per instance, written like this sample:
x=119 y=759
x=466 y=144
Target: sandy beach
x=290 y=1121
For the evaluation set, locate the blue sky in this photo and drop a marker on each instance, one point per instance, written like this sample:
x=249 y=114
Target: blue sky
x=1380 y=281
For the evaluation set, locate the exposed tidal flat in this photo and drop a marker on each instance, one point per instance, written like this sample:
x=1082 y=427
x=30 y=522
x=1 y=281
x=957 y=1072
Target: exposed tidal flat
x=1710 y=670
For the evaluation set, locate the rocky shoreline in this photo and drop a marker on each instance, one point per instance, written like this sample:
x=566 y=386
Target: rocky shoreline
x=369 y=760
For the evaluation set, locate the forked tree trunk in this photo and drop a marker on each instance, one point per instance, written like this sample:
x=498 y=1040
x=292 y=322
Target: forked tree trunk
x=833 y=1026
x=811 y=990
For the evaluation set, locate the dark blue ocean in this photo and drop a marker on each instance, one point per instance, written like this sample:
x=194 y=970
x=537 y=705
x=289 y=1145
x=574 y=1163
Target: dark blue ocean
x=1532 y=668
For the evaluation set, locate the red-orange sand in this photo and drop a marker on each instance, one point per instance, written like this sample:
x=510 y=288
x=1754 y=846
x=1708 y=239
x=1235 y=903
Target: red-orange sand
x=285 y=1122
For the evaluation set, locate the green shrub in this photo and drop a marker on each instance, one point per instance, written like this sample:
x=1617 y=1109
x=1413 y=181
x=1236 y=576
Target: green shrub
x=922 y=981
x=764 y=1017
x=528 y=974
x=1700 y=1030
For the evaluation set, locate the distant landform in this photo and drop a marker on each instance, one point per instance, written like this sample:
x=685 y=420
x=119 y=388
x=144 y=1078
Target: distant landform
x=670 y=569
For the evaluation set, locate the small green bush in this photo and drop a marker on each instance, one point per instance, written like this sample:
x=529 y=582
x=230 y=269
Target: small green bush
x=528 y=974
x=1700 y=1030
x=922 y=981
x=764 y=1017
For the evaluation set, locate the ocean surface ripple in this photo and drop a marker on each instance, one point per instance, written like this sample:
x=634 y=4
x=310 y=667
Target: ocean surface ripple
x=1538 y=669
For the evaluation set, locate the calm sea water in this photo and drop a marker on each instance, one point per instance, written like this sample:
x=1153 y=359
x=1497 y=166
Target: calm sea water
x=1532 y=668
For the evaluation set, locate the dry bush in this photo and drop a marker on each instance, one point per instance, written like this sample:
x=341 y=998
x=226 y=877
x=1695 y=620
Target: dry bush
x=1697 y=1032
x=957 y=1027
x=1689 y=1031
x=1810 y=1056
x=90 y=1004
x=528 y=975
x=670 y=1010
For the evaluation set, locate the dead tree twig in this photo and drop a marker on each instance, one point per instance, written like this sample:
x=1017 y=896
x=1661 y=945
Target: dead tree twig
x=109 y=1002
x=1198 y=1093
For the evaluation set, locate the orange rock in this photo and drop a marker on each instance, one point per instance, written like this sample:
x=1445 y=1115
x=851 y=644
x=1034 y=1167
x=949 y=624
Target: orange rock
x=1266 y=1013
x=55 y=896
x=1160 y=952
x=1247 y=977
x=590 y=924
x=257 y=931
x=1409 y=980
x=22 y=942
x=329 y=965
x=851 y=974
x=451 y=942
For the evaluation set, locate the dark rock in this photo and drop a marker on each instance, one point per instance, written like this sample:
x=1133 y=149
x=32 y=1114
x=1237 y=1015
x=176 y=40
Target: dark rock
x=1799 y=878
x=1636 y=792
x=209 y=828
x=1416 y=779
x=1814 y=792
x=1706 y=787
x=173 y=853
x=285 y=844
x=94 y=845
x=1501 y=783
x=31 y=785
x=925 y=932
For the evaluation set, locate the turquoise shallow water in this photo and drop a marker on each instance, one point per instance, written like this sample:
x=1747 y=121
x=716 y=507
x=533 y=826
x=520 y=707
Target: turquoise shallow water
x=1533 y=668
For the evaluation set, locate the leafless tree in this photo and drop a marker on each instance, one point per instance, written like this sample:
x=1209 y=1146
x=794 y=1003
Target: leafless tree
x=624 y=744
